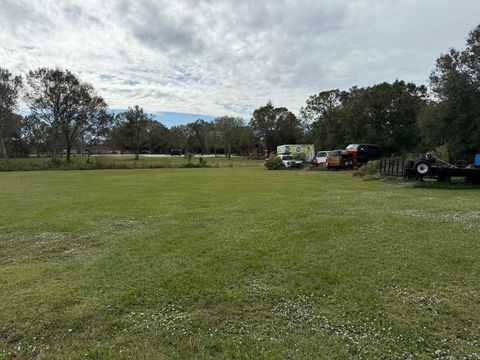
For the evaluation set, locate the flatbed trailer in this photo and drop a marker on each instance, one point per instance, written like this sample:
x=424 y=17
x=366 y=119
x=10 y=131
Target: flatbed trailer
x=428 y=167
x=445 y=174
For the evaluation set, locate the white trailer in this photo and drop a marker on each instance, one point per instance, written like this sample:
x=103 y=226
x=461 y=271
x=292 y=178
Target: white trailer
x=293 y=149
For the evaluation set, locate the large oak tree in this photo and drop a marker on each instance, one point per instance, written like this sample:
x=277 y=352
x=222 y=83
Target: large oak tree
x=70 y=107
x=456 y=83
x=275 y=126
x=132 y=129
x=9 y=91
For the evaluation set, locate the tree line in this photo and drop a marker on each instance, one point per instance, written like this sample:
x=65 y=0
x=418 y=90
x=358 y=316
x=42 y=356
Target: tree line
x=66 y=113
x=404 y=117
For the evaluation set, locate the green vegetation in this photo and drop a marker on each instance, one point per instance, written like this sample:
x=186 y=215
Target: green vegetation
x=123 y=162
x=67 y=115
x=370 y=170
x=274 y=163
x=235 y=263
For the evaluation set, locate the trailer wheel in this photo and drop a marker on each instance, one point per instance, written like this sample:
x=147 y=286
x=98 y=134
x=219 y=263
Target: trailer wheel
x=422 y=168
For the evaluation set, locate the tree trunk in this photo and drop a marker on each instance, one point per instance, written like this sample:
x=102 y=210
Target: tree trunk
x=69 y=149
x=137 y=150
x=54 y=145
x=4 y=150
x=214 y=146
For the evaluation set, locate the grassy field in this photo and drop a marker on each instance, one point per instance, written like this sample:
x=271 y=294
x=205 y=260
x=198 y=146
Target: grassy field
x=123 y=162
x=236 y=263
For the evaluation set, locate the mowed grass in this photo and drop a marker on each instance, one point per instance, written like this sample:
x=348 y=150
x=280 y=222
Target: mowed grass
x=236 y=263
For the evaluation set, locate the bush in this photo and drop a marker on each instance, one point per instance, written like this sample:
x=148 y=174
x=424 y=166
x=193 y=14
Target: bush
x=442 y=152
x=370 y=169
x=301 y=156
x=274 y=163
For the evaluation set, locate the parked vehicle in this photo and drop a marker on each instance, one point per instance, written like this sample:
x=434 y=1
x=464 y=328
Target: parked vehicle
x=321 y=158
x=362 y=153
x=307 y=149
x=339 y=159
x=175 y=152
x=290 y=161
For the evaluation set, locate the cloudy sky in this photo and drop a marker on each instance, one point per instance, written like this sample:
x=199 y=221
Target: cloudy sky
x=221 y=57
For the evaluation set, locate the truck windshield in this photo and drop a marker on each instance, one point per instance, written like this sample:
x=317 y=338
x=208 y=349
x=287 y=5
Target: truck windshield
x=352 y=147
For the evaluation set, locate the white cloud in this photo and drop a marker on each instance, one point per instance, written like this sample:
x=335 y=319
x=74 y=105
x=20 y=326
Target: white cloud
x=217 y=57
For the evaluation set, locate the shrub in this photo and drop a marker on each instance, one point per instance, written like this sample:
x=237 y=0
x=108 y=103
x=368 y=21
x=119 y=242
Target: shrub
x=442 y=152
x=274 y=163
x=370 y=169
x=301 y=156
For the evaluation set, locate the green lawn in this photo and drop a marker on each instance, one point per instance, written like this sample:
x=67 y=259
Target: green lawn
x=236 y=263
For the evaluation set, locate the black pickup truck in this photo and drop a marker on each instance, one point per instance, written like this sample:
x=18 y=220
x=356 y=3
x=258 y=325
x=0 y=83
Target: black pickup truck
x=362 y=153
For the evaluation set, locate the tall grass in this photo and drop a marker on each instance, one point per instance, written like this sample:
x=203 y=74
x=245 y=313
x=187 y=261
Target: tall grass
x=120 y=162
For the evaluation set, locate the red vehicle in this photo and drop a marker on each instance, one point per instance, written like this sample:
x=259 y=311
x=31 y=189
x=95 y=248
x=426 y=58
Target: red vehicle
x=362 y=153
x=338 y=159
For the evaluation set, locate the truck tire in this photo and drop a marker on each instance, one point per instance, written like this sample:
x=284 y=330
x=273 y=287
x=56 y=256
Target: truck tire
x=422 y=168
